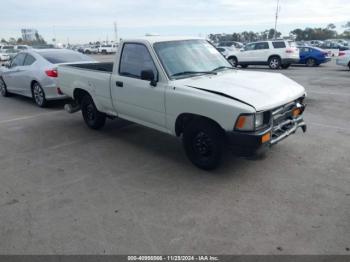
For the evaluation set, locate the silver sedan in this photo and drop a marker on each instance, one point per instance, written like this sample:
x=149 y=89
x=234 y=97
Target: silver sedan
x=33 y=73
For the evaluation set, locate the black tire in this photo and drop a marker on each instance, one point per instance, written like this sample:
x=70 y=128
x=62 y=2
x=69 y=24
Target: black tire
x=285 y=66
x=104 y=52
x=3 y=88
x=87 y=52
x=275 y=62
x=204 y=144
x=244 y=66
x=92 y=117
x=310 y=62
x=233 y=61
x=38 y=95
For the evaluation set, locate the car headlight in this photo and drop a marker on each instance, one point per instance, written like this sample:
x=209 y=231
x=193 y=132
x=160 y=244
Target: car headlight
x=249 y=122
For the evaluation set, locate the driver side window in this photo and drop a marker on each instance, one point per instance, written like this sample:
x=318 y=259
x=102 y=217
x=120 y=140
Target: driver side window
x=18 y=60
x=135 y=59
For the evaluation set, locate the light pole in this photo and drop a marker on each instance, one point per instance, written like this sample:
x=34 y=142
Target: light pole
x=277 y=13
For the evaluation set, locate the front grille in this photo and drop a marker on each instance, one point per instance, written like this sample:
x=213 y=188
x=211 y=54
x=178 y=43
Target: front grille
x=283 y=122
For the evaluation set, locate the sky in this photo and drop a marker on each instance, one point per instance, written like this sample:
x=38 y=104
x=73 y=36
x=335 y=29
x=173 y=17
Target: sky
x=80 y=21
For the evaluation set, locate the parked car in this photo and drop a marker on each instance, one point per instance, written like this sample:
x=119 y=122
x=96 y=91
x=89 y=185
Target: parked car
x=344 y=59
x=93 y=49
x=186 y=88
x=4 y=56
x=316 y=43
x=333 y=45
x=231 y=44
x=275 y=54
x=12 y=52
x=22 y=47
x=33 y=73
x=108 y=49
x=225 y=51
x=313 y=56
x=5 y=47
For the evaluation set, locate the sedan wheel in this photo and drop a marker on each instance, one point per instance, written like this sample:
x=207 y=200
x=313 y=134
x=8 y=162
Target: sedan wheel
x=311 y=62
x=3 y=90
x=39 y=95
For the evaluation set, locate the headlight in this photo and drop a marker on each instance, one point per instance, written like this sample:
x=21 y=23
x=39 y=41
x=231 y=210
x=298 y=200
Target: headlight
x=249 y=122
x=259 y=120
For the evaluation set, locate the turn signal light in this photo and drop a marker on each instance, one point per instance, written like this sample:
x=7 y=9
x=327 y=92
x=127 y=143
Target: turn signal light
x=241 y=122
x=265 y=138
x=296 y=112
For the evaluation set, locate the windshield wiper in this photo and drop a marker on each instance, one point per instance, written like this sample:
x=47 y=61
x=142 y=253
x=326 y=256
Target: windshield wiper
x=194 y=73
x=222 y=67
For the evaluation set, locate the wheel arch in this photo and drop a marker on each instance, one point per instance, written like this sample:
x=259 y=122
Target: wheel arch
x=271 y=56
x=185 y=118
x=79 y=93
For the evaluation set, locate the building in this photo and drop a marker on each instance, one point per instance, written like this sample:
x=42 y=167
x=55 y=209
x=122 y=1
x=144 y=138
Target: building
x=29 y=34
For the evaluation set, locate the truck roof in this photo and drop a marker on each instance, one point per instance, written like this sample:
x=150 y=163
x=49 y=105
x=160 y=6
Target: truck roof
x=157 y=39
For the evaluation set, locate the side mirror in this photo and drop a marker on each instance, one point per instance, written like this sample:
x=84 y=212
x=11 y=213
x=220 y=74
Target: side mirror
x=242 y=49
x=149 y=76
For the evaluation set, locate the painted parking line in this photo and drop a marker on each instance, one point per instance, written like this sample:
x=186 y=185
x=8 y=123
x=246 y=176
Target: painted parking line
x=28 y=117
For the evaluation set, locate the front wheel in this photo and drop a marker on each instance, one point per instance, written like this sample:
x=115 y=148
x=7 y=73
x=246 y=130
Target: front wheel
x=92 y=117
x=3 y=89
x=204 y=144
x=233 y=61
x=38 y=95
x=275 y=62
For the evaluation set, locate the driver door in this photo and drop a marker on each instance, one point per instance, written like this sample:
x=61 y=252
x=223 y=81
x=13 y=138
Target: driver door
x=247 y=54
x=134 y=98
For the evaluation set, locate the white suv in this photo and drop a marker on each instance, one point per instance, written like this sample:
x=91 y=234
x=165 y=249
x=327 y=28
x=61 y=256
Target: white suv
x=275 y=54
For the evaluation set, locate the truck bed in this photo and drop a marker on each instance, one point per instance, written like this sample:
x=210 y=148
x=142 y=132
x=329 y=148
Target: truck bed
x=104 y=67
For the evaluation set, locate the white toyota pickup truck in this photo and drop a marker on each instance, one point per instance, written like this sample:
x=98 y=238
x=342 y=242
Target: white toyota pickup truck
x=186 y=88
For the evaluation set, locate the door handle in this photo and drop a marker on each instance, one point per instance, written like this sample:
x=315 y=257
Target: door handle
x=119 y=84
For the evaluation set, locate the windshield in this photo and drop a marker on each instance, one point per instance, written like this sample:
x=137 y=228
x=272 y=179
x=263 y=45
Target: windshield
x=59 y=57
x=187 y=58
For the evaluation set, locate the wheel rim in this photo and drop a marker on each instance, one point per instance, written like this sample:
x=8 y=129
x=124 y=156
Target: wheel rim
x=310 y=62
x=274 y=63
x=2 y=87
x=38 y=94
x=203 y=145
x=90 y=112
x=232 y=62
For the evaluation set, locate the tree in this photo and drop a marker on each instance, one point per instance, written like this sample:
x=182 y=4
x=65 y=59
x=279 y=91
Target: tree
x=19 y=41
x=331 y=27
x=3 y=41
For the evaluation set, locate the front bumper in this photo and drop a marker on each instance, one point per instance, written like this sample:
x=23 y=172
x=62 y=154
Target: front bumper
x=282 y=126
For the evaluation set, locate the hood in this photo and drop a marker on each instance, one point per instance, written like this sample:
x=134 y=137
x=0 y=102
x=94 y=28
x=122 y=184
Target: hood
x=263 y=91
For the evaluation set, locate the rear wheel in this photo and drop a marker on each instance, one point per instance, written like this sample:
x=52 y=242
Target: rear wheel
x=104 y=52
x=92 y=117
x=275 y=62
x=310 y=62
x=38 y=95
x=204 y=144
x=3 y=89
x=233 y=61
